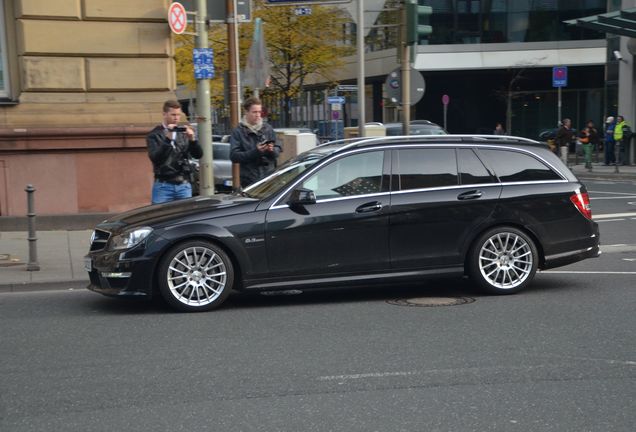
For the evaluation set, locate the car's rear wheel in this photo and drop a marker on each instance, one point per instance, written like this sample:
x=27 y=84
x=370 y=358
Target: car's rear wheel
x=503 y=260
x=195 y=276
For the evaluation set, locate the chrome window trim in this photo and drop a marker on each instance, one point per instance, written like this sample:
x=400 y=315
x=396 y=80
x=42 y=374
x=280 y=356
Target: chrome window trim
x=349 y=150
x=439 y=188
x=343 y=198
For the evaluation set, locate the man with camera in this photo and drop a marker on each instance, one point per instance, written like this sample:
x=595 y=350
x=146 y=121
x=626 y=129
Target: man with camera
x=253 y=144
x=170 y=147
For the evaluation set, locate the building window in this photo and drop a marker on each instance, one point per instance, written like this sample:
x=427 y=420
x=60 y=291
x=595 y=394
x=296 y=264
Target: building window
x=4 y=70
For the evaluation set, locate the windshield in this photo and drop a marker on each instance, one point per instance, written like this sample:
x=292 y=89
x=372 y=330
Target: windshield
x=287 y=172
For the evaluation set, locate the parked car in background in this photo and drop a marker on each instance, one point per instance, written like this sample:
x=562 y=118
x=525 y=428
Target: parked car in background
x=416 y=127
x=374 y=210
x=221 y=166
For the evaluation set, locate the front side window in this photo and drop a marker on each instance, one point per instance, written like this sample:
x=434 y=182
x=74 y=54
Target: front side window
x=4 y=70
x=423 y=168
x=511 y=166
x=353 y=175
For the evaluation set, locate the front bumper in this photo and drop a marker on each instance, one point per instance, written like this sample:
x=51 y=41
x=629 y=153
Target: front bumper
x=115 y=277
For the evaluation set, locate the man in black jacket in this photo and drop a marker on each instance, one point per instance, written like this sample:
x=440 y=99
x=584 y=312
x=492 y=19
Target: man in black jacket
x=253 y=144
x=169 y=147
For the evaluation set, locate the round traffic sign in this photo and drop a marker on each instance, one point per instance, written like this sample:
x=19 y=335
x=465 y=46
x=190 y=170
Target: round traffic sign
x=177 y=18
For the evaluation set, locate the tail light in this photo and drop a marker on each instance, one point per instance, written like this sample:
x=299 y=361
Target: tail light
x=581 y=201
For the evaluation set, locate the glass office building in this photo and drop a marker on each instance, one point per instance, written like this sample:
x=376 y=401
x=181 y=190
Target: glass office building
x=494 y=59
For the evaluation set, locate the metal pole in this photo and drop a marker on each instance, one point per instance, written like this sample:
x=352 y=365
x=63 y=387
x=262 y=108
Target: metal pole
x=204 y=123
x=33 y=249
x=235 y=108
x=360 y=48
x=559 y=105
x=406 y=84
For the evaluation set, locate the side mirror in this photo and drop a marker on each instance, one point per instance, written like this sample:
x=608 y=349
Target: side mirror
x=302 y=197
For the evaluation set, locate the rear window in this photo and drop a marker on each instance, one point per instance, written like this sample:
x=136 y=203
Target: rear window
x=512 y=166
x=425 y=168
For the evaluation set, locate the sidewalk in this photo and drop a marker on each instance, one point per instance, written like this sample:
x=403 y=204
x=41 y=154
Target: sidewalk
x=61 y=247
x=59 y=255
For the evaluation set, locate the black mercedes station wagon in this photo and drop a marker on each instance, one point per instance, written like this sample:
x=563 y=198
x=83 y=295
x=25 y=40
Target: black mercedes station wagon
x=494 y=209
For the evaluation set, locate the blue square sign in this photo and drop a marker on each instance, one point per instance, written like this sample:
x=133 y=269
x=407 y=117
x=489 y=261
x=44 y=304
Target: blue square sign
x=560 y=76
x=203 y=62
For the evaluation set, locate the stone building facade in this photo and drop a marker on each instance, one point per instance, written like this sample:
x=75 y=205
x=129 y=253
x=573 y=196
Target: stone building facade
x=81 y=83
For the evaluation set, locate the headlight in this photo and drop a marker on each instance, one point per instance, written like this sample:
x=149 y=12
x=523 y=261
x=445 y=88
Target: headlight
x=129 y=239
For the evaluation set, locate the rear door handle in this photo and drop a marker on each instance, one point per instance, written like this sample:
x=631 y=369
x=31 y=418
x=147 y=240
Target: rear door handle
x=369 y=207
x=473 y=194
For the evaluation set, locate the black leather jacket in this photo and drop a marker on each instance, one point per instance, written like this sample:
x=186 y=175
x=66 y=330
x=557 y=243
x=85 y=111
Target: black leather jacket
x=254 y=164
x=170 y=158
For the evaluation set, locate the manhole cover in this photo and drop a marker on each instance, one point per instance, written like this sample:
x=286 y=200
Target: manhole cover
x=432 y=301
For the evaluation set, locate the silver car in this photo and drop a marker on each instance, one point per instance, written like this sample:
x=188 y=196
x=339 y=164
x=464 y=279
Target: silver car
x=222 y=167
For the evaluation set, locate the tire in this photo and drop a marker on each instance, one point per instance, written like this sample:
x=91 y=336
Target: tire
x=503 y=260
x=195 y=276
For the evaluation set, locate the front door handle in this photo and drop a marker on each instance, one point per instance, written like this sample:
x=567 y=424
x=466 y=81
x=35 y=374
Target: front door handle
x=473 y=194
x=369 y=207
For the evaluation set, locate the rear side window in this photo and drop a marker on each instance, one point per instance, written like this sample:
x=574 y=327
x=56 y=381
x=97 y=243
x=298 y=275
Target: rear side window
x=425 y=168
x=471 y=170
x=511 y=166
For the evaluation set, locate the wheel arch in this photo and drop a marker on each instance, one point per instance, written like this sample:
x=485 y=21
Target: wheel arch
x=523 y=228
x=217 y=241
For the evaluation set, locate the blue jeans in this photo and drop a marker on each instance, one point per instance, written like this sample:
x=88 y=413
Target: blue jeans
x=165 y=192
x=609 y=152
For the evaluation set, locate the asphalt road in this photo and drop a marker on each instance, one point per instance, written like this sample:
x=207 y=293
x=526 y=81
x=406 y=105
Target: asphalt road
x=561 y=356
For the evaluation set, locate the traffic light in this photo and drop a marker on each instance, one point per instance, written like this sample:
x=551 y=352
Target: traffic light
x=414 y=30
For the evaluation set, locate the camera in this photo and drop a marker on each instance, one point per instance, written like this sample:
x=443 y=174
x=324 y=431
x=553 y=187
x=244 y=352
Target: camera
x=181 y=129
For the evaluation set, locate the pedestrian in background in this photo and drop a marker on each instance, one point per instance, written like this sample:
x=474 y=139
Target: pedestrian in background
x=589 y=140
x=610 y=124
x=499 y=129
x=622 y=135
x=564 y=137
x=170 y=147
x=253 y=144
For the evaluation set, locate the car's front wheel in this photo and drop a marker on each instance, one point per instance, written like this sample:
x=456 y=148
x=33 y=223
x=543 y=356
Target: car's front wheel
x=195 y=276
x=503 y=260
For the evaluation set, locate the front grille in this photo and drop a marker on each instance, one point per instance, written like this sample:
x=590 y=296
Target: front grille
x=99 y=239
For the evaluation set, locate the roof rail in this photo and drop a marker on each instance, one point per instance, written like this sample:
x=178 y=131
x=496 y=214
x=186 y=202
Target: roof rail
x=463 y=137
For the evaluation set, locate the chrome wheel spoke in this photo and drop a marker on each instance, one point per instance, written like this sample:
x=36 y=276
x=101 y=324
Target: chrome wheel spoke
x=505 y=260
x=197 y=276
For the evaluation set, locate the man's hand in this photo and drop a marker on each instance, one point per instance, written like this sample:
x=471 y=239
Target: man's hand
x=189 y=132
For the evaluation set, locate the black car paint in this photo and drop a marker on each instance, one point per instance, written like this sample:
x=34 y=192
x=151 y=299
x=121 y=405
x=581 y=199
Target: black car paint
x=409 y=235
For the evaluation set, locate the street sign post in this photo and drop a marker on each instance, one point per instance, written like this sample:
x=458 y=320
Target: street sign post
x=559 y=80
x=445 y=102
x=177 y=18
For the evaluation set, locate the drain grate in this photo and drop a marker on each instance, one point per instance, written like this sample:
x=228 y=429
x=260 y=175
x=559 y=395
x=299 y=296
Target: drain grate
x=431 y=301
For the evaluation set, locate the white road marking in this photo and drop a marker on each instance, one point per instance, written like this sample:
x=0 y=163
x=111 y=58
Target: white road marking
x=611 y=220
x=613 y=215
x=611 y=198
x=588 y=272
x=366 y=375
x=611 y=193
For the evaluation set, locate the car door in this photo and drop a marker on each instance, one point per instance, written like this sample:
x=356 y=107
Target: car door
x=436 y=207
x=344 y=232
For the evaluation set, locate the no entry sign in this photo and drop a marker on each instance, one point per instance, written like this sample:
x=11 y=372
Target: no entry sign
x=177 y=18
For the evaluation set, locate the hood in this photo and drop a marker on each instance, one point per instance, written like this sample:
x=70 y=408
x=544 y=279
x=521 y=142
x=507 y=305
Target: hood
x=193 y=209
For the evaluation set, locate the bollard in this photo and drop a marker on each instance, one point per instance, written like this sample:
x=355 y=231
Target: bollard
x=32 y=265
